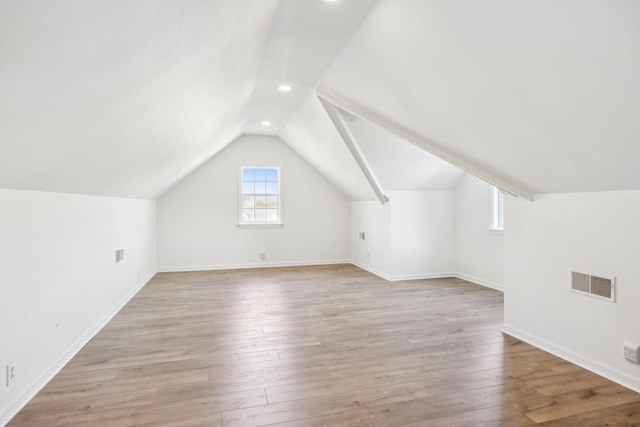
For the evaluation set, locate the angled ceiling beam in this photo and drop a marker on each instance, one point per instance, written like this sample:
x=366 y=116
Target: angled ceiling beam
x=351 y=143
x=329 y=99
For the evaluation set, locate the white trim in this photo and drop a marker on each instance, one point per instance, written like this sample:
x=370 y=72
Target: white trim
x=497 y=209
x=584 y=362
x=213 y=267
x=462 y=276
x=421 y=142
x=261 y=225
x=14 y=407
x=347 y=137
x=371 y=270
x=250 y=224
x=479 y=281
x=447 y=275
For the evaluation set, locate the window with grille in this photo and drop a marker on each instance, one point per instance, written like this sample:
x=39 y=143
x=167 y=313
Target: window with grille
x=260 y=198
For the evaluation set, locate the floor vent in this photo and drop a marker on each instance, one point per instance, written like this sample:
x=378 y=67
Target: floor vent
x=595 y=286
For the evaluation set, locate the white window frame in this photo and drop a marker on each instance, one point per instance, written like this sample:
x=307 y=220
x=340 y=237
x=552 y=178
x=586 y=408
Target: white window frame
x=243 y=223
x=497 y=210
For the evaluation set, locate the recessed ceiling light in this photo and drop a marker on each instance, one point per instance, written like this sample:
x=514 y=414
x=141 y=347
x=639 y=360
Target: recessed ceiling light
x=266 y=123
x=284 y=88
x=331 y=1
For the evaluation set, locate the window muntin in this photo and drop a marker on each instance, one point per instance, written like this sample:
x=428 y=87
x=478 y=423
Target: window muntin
x=260 y=198
x=497 y=209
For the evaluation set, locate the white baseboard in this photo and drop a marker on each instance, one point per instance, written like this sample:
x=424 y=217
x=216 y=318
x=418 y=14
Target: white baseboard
x=479 y=281
x=444 y=275
x=48 y=374
x=371 y=270
x=250 y=265
x=563 y=353
x=420 y=276
x=391 y=278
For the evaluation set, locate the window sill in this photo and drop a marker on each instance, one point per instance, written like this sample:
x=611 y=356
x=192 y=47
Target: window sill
x=262 y=225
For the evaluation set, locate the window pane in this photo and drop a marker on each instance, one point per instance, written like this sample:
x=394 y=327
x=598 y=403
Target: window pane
x=260 y=198
x=272 y=201
x=247 y=202
x=272 y=214
x=272 y=188
x=272 y=175
x=247 y=215
x=260 y=215
x=261 y=187
x=248 y=188
x=248 y=174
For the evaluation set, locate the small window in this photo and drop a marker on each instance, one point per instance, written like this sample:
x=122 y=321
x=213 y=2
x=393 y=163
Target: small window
x=497 y=209
x=260 y=199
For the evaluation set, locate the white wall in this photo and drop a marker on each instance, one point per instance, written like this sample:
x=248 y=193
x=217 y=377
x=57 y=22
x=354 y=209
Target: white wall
x=421 y=234
x=596 y=233
x=410 y=237
x=197 y=219
x=59 y=283
x=374 y=252
x=478 y=250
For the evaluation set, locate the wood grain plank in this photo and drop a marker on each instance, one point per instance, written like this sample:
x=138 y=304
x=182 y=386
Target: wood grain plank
x=318 y=346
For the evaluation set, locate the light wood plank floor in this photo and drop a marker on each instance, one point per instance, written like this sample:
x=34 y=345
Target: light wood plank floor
x=319 y=346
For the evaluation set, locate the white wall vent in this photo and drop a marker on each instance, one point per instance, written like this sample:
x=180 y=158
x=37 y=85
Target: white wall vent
x=595 y=286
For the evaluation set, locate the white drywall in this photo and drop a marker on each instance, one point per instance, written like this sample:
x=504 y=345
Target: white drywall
x=478 y=250
x=506 y=86
x=124 y=98
x=421 y=234
x=410 y=237
x=311 y=134
x=59 y=283
x=374 y=252
x=385 y=151
x=597 y=233
x=197 y=219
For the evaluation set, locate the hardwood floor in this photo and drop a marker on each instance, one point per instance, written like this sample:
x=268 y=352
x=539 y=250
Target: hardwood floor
x=319 y=346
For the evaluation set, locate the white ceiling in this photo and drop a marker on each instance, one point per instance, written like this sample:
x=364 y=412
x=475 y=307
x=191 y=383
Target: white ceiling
x=312 y=135
x=543 y=94
x=305 y=38
x=124 y=98
x=399 y=165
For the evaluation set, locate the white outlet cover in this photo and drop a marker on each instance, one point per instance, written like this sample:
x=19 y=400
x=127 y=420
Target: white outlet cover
x=11 y=373
x=632 y=353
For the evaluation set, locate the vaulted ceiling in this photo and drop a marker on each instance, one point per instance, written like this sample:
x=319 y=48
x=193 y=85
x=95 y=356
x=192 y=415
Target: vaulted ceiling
x=124 y=98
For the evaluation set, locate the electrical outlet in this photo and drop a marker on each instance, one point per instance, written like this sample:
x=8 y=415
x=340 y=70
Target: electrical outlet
x=632 y=353
x=11 y=373
x=263 y=255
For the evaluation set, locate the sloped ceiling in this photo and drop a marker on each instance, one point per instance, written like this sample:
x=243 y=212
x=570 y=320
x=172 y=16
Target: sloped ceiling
x=399 y=165
x=124 y=98
x=543 y=94
x=311 y=134
x=305 y=39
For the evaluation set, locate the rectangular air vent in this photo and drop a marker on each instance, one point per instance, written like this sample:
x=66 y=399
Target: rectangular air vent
x=595 y=286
